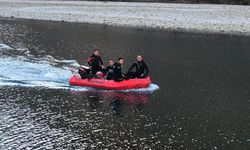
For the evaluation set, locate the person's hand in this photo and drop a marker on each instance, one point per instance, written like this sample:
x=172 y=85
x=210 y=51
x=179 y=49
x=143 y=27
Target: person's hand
x=103 y=67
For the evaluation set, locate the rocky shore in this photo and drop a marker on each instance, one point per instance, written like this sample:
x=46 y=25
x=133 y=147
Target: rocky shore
x=204 y=18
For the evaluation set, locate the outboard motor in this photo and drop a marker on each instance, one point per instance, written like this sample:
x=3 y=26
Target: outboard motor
x=84 y=72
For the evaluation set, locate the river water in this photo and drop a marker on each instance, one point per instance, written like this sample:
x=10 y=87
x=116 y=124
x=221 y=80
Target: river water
x=199 y=99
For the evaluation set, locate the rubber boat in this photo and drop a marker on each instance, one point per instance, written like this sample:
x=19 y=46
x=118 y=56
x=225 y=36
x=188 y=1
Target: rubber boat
x=110 y=84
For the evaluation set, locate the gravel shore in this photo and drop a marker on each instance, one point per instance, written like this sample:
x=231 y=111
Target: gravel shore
x=205 y=18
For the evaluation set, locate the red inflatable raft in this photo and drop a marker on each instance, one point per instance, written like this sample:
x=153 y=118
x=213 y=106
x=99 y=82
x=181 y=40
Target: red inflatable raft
x=110 y=84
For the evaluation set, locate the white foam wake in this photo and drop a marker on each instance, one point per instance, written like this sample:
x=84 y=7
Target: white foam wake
x=16 y=72
x=3 y=46
x=151 y=88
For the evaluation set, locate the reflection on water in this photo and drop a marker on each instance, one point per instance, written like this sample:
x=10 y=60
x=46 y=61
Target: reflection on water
x=118 y=100
x=203 y=101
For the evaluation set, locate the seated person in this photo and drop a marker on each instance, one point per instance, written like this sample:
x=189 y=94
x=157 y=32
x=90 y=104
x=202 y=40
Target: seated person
x=95 y=62
x=108 y=71
x=117 y=71
x=141 y=69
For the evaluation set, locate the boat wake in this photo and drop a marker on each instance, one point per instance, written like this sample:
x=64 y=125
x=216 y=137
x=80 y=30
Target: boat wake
x=19 y=68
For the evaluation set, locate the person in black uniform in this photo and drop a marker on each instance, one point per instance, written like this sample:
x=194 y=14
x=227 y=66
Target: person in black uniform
x=95 y=62
x=141 y=69
x=117 y=70
x=108 y=71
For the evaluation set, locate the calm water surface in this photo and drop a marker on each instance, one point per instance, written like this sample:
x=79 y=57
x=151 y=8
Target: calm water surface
x=203 y=100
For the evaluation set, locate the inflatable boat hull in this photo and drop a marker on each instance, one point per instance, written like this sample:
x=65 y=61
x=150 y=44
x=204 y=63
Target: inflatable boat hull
x=110 y=84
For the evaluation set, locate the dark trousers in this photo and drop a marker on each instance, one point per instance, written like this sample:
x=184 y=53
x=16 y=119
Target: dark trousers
x=86 y=75
x=132 y=75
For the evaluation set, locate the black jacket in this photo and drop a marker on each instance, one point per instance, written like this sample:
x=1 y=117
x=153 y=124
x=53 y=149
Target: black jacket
x=96 y=63
x=117 y=72
x=109 y=72
x=141 y=69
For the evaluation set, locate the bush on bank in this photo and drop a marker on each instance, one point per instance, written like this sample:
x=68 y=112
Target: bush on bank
x=239 y=2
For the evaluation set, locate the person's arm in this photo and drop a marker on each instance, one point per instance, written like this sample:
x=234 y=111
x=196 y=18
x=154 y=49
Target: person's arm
x=147 y=70
x=115 y=71
x=120 y=71
x=101 y=61
x=131 y=68
x=89 y=61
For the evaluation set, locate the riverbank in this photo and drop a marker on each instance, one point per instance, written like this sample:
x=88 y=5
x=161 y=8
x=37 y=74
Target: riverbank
x=200 y=18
